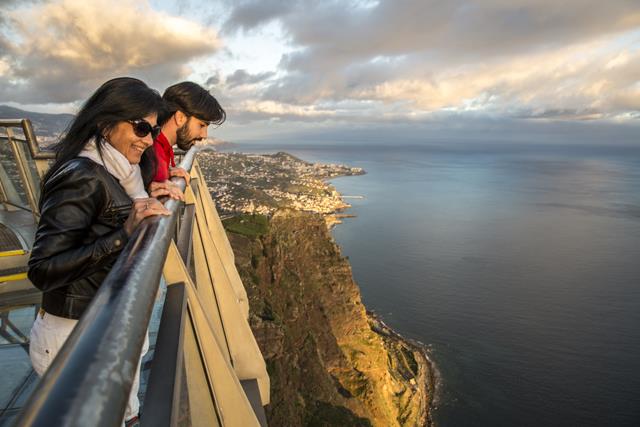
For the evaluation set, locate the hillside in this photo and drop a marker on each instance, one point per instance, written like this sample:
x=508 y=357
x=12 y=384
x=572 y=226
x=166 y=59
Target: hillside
x=44 y=125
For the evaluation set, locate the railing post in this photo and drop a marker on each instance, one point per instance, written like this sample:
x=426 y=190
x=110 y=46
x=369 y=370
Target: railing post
x=30 y=188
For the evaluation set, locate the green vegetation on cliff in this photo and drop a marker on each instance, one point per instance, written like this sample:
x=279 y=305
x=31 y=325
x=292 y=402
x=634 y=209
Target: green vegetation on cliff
x=250 y=225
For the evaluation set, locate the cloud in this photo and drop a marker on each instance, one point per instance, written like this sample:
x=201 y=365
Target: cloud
x=585 y=81
x=577 y=78
x=346 y=61
x=456 y=28
x=213 y=80
x=527 y=58
x=63 y=50
x=247 y=15
x=242 y=77
x=11 y=3
x=476 y=131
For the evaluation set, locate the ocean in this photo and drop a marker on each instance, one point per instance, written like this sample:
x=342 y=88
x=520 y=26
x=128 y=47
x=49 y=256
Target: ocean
x=518 y=265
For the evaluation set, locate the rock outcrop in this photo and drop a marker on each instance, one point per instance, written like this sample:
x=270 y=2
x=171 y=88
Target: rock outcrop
x=330 y=363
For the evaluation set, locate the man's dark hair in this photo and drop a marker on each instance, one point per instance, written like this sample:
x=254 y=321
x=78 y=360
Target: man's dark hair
x=193 y=100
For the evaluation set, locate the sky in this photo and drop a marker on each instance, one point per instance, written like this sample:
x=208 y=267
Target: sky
x=386 y=71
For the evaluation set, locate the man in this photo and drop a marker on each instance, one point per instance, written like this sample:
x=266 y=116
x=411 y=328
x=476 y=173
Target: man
x=190 y=111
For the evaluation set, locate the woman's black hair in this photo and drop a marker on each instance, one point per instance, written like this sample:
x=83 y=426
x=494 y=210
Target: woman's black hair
x=193 y=100
x=119 y=99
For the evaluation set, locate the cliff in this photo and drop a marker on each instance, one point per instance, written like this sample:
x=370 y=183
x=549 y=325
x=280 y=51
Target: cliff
x=330 y=363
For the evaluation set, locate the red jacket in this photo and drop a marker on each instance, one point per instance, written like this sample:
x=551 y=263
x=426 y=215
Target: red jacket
x=164 y=156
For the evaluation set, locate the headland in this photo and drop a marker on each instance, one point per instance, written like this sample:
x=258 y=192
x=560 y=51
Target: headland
x=331 y=362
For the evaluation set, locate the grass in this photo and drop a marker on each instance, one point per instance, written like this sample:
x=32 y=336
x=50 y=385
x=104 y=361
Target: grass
x=250 y=225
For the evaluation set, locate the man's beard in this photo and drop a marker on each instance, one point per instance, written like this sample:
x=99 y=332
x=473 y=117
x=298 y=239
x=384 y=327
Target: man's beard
x=184 y=141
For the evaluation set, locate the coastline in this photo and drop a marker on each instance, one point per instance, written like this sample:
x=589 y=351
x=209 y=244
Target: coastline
x=304 y=186
x=427 y=372
x=328 y=365
x=427 y=375
x=337 y=215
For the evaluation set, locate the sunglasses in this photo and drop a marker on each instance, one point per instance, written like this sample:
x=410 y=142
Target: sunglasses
x=143 y=128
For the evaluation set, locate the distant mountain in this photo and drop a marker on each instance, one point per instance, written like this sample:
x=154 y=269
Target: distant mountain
x=49 y=125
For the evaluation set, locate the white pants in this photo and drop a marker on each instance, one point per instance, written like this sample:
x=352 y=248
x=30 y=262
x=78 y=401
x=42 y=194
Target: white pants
x=49 y=333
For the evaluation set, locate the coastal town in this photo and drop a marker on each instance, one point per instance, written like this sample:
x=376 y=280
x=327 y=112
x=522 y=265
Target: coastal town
x=263 y=183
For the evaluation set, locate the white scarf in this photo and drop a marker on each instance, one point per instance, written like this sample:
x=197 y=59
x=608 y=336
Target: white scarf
x=117 y=165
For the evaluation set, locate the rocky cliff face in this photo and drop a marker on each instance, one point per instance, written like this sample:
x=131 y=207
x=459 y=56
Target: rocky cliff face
x=326 y=363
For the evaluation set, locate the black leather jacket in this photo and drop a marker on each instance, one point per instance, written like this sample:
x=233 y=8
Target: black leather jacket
x=80 y=233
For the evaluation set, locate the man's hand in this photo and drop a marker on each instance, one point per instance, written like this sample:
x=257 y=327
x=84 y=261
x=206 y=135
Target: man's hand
x=141 y=209
x=181 y=173
x=165 y=188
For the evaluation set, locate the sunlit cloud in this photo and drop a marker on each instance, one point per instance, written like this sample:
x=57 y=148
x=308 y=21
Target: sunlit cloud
x=515 y=58
x=343 y=62
x=580 y=78
x=275 y=109
x=62 y=50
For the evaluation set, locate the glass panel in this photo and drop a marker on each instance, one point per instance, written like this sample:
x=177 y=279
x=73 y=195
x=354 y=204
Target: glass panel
x=32 y=172
x=15 y=188
x=154 y=325
x=10 y=176
x=201 y=406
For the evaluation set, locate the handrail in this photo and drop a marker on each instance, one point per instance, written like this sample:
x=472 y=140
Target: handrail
x=40 y=157
x=30 y=139
x=89 y=381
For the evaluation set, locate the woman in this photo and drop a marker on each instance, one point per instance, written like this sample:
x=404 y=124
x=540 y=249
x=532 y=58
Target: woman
x=93 y=198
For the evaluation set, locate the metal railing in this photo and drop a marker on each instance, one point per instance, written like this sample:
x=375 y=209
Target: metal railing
x=29 y=177
x=29 y=138
x=89 y=381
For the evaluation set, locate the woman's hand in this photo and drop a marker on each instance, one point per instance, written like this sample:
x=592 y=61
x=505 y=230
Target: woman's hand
x=165 y=188
x=141 y=209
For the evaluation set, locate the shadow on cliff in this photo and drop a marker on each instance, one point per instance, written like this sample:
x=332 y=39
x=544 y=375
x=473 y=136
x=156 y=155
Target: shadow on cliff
x=326 y=414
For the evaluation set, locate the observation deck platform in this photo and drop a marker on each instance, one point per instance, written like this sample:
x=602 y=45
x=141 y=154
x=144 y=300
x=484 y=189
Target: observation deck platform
x=175 y=278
